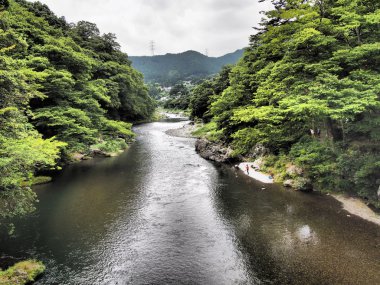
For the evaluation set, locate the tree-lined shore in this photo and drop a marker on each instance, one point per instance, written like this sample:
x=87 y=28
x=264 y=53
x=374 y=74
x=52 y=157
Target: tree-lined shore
x=306 y=94
x=65 y=89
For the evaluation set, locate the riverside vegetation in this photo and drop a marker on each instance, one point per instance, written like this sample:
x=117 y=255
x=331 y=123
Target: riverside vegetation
x=65 y=89
x=313 y=65
x=307 y=91
x=21 y=273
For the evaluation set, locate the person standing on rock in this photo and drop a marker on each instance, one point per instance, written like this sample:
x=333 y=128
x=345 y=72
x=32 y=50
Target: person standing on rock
x=247 y=169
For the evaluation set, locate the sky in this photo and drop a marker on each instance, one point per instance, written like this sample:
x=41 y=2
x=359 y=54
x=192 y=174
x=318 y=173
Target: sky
x=215 y=26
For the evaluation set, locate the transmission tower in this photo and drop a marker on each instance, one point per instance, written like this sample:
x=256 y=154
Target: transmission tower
x=152 y=46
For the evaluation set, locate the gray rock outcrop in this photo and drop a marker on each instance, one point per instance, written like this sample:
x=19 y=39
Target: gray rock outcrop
x=213 y=151
x=258 y=150
x=288 y=183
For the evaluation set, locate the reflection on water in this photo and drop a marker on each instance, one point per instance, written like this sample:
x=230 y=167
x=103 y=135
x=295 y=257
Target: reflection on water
x=307 y=235
x=159 y=214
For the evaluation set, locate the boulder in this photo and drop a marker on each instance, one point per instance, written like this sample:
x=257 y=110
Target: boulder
x=288 y=183
x=77 y=156
x=98 y=152
x=258 y=150
x=213 y=151
x=303 y=184
x=293 y=170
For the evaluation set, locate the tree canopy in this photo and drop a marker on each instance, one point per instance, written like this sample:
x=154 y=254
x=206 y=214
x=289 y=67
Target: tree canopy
x=64 y=87
x=312 y=65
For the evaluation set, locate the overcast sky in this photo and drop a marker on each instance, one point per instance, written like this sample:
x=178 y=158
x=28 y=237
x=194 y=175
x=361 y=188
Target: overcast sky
x=220 y=26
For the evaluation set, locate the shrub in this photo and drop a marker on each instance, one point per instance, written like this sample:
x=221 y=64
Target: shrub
x=22 y=273
x=110 y=146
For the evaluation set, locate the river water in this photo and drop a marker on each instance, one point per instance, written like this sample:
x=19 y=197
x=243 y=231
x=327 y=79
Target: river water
x=160 y=214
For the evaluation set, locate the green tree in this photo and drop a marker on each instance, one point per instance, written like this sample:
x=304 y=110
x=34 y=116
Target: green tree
x=312 y=65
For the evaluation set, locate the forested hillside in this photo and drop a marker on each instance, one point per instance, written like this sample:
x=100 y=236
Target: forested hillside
x=64 y=88
x=307 y=89
x=170 y=69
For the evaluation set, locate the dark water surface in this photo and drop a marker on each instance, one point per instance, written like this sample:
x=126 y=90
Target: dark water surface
x=160 y=214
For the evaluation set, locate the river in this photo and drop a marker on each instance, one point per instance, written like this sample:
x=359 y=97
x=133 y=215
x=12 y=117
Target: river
x=160 y=214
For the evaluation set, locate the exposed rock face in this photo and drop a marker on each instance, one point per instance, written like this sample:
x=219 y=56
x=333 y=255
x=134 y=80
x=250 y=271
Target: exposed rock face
x=213 y=151
x=76 y=156
x=184 y=132
x=258 y=150
x=288 y=183
x=296 y=180
x=293 y=170
x=98 y=152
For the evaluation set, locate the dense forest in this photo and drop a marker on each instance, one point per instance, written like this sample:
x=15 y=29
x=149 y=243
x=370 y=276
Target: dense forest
x=307 y=90
x=65 y=88
x=171 y=69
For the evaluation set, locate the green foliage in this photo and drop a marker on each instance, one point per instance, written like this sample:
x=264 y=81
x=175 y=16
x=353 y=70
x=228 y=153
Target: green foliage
x=318 y=159
x=63 y=88
x=206 y=92
x=4 y=4
x=22 y=153
x=156 y=91
x=22 y=273
x=41 y=180
x=313 y=65
x=209 y=131
x=179 y=97
x=110 y=146
x=200 y=99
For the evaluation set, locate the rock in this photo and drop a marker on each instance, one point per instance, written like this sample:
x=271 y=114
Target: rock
x=86 y=157
x=258 y=163
x=213 y=151
x=24 y=272
x=41 y=180
x=258 y=150
x=378 y=193
x=98 y=152
x=293 y=170
x=303 y=184
x=288 y=183
x=76 y=156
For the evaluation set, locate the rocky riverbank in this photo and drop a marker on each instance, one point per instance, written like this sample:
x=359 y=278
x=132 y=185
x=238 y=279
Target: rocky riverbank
x=184 y=132
x=358 y=208
x=21 y=273
x=213 y=151
x=219 y=153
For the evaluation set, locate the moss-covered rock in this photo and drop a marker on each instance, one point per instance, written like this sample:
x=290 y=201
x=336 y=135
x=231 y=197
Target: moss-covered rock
x=302 y=184
x=22 y=273
x=41 y=180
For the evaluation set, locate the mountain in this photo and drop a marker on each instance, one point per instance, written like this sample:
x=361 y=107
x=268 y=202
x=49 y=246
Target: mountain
x=170 y=68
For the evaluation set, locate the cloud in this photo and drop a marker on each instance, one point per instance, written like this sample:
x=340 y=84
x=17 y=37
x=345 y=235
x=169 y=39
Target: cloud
x=221 y=26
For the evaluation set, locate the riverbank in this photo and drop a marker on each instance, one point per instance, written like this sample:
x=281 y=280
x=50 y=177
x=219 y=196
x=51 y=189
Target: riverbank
x=21 y=273
x=357 y=207
x=354 y=206
x=219 y=153
x=184 y=132
x=254 y=173
x=148 y=197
